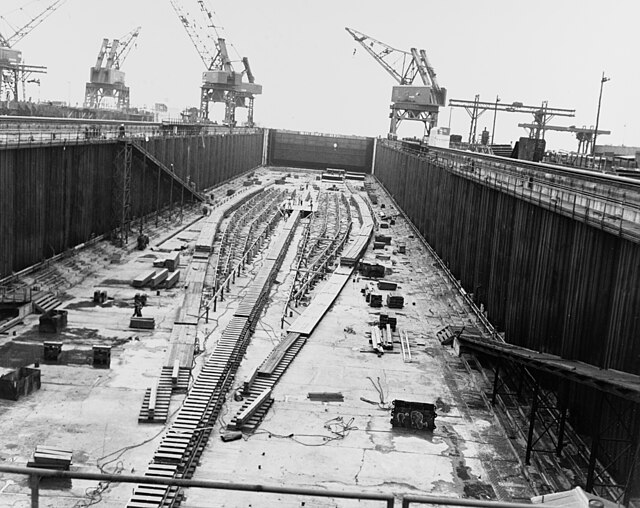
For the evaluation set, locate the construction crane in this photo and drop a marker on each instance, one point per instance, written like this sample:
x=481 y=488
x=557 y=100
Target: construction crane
x=220 y=82
x=584 y=135
x=106 y=79
x=541 y=114
x=408 y=101
x=12 y=71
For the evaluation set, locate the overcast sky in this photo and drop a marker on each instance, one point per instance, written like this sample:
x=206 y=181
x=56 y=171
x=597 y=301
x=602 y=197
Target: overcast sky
x=553 y=50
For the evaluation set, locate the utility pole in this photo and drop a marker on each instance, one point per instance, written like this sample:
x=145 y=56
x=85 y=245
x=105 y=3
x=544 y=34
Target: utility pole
x=595 y=132
x=495 y=113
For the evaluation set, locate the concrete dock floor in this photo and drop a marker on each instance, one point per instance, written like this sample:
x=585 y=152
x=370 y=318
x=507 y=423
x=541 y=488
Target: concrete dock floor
x=94 y=412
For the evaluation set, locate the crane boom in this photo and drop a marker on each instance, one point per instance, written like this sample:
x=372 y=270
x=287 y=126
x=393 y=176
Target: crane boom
x=23 y=31
x=102 y=52
x=399 y=64
x=126 y=43
x=203 y=40
x=111 y=57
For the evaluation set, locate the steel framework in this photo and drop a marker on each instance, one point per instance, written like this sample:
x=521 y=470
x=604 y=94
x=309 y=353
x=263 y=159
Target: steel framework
x=13 y=72
x=122 y=193
x=414 y=103
x=584 y=135
x=220 y=83
x=541 y=114
x=108 y=80
x=606 y=459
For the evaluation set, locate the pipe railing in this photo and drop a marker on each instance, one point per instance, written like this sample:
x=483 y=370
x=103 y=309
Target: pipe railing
x=36 y=474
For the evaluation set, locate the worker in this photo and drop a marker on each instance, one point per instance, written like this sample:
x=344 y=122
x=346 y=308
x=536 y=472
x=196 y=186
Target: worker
x=137 y=305
x=121 y=131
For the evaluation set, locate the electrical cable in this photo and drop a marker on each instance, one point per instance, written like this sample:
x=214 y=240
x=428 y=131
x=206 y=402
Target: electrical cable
x=337 y=427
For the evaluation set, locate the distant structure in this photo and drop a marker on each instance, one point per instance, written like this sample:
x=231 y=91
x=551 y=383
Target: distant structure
x=408 y=101
x=220 y=82
x=541 y=114
x=13 y=72
x=584 y=135
x=106 y=78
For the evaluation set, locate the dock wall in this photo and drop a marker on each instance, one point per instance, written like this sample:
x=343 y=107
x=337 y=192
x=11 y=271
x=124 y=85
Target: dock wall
x=320 y=151
x=59 y=194
x=549 y=282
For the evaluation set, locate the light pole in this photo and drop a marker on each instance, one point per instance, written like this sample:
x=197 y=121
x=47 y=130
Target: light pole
x=495 y=113
x=595 y=132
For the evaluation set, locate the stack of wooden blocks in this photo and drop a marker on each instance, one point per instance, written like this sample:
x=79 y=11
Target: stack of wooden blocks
x=46 y=457
x=395 y=301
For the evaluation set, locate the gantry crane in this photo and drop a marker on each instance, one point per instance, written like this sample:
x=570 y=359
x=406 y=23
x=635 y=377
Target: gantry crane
x=541 y=114
x=106 y=79
x=220 y=82
x=12 y=71
x=408 y=101
x=584 y=134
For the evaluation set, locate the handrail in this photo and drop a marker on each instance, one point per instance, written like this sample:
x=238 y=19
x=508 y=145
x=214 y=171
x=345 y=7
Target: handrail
x=454 y=501
x=35 y=474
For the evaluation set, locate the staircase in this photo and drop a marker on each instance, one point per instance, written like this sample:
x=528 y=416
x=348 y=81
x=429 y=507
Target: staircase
x=149 y=157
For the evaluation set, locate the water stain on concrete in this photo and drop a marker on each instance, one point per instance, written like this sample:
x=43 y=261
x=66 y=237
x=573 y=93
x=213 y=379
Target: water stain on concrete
x=479 y=490
x=442 y=405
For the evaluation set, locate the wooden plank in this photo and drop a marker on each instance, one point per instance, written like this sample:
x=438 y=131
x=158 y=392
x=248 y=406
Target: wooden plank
x=143 y=279
x=246 y=413
x=159 y=277
x=153 y=395
x=142 y=323
x=311 y=316
x=246 y=386
x=175 y=372
x=172 y=279
x=275 y=357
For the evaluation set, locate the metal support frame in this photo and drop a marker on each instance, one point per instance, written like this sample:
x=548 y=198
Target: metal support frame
x=95 y=92
x=231 y=100
x=122 y=193
x=614 y=444
x=547 y=420
x=541 y=114
x=428 y=115
x=13 y=78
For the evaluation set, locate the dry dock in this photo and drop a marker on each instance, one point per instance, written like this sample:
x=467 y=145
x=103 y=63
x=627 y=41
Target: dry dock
x=348 y=444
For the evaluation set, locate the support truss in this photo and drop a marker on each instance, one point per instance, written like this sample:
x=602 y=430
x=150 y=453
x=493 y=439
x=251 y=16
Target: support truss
x=606 y=460
x=122 y=194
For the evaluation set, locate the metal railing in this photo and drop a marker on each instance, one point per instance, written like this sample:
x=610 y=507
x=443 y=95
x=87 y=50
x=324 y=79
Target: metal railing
x=95 y=131
x=36 y=474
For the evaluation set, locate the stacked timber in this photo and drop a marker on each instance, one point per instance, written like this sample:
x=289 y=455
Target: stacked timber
x=388 y=319
x=375 y=300
x=47 y=457
x=395 y=301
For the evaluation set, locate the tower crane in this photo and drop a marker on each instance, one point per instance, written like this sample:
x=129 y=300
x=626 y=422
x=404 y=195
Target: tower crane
x=106 y=79
x=12 y=71
x=220 y=82
x=408 y=101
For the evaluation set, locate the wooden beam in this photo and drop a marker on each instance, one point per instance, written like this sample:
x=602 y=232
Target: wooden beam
x=248 y=412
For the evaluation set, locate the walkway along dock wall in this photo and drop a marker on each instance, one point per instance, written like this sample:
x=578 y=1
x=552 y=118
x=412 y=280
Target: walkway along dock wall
x=59 y=194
